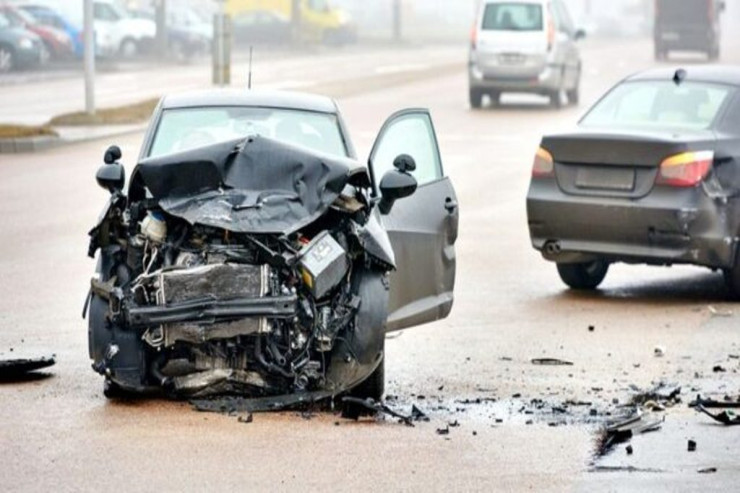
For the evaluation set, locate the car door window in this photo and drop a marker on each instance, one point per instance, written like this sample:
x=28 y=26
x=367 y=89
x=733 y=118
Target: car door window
x=412 y=134
x=103 y=12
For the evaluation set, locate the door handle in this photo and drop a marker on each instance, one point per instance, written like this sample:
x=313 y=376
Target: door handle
x=450 y=205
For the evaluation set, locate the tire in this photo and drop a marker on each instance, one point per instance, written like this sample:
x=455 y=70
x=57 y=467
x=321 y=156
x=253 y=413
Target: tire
x=495 y=98
x=556 y=99
x=373 y=387
x=713 y=54
x=574 y=95
x=585 y=276
x=476 y=99
x=7 y=59
x=129 y=48
x=732 y=279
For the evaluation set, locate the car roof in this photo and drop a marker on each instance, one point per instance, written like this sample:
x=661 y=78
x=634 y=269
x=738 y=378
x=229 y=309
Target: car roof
x=719 y=74
x=486 y=2
x=245 y=97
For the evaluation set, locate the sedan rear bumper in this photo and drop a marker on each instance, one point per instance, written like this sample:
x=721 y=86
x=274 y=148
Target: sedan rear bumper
x=667 y=226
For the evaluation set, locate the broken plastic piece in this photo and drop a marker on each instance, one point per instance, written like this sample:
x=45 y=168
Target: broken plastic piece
x=551 y=362
x=13 y=369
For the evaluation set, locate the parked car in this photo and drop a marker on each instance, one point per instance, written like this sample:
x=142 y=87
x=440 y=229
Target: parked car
x=688 y=25
x=526 y=46
x=651 y=175
x=261 y=27
x=50 y=17
x=188 y=35
x=19 y=47
x=58 y=44
x=254 y=254
x=116 y=32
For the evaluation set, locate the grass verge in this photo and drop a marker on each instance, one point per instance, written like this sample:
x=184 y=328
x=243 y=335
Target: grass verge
x=122 y=115
x=24 y=131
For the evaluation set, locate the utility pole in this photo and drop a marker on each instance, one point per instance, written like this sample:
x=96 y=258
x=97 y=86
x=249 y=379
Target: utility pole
x=222 y=46
x=397 y=15
x=295 y=20
x=89 y=40
x=160 y=17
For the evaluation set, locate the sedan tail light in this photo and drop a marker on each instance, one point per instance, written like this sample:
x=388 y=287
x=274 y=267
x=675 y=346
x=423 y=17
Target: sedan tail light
x=474 y=36
x=543 y=164
x=687 y=169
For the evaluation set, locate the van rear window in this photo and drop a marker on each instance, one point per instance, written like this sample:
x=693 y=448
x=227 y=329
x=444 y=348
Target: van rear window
x=512 y=17
x=682 y=11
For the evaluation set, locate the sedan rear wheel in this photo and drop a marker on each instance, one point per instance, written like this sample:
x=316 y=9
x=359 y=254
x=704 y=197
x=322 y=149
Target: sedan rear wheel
x=7 y=59
x=584 y=276
x=476 y=98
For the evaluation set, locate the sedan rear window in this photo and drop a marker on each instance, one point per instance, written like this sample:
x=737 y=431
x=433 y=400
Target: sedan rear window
x=512 y=17
x=659 y=104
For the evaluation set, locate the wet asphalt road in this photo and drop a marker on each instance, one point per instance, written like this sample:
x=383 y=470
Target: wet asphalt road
x=62 y=434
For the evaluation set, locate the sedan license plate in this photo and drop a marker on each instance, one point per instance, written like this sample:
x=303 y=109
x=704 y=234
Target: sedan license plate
x=604 y=178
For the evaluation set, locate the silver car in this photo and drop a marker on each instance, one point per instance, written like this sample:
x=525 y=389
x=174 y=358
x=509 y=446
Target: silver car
x=527 y=46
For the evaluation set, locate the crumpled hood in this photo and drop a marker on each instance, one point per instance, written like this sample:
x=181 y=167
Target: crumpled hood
x=257 y=185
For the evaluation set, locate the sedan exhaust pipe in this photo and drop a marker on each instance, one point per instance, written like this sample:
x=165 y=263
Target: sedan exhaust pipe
x=552 y=248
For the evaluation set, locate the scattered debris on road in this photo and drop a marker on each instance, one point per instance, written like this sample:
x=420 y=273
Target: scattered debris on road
x=726 y=417
x=659 y=351
x=14 y=370
x=714 y=404
x=691 y=447
x=707 y=470
x=719 y=313
x=623 y=431
x=551 y=362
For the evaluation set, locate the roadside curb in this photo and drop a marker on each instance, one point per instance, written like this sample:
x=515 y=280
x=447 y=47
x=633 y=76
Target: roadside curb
x=66 y=136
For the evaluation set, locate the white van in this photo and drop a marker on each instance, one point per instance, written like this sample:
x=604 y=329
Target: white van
x=525 y=46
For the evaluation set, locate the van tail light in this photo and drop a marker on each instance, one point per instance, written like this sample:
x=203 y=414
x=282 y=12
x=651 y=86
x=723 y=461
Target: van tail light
x=474 y=36
x=687 y=169
x=710 y=10
x=543 y=164
x=550 y=32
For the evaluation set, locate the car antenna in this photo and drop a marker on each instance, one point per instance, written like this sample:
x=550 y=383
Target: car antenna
x=249 y=83
x=679 y=76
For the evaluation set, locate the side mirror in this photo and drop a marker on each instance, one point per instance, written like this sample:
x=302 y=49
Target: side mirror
x=579 y=34
x=397 y=184
x=112 y=154
x=112 y=176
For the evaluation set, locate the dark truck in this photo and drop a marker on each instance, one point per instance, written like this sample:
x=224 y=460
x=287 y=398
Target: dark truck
x=692 y=25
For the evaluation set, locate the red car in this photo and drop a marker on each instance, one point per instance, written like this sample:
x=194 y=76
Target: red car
x=57 y=42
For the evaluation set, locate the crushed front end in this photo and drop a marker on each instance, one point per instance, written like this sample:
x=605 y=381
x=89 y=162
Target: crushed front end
x=213 y=287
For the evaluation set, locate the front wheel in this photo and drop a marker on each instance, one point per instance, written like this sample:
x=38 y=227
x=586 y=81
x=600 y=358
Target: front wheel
x=585 y=276
x=7 y=59
x=476 y=99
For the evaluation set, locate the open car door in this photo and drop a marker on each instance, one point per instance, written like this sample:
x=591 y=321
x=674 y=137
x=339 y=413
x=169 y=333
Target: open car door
x=423 y=227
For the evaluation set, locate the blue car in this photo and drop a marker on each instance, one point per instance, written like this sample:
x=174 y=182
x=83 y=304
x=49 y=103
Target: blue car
x=51 y=17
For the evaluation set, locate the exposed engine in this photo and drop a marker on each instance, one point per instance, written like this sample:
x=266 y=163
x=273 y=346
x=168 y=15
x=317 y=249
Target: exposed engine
x=222 y=312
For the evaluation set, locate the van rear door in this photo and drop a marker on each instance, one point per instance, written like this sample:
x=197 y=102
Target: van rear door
x=511 y=35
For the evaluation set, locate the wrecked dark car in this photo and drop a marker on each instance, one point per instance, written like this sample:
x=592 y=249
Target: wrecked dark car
x=253 y=255
x=651 y=175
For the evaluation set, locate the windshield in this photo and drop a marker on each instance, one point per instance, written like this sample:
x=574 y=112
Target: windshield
x=189 y=128
x=658 y=104
x=512 y=17
x=4 y=22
